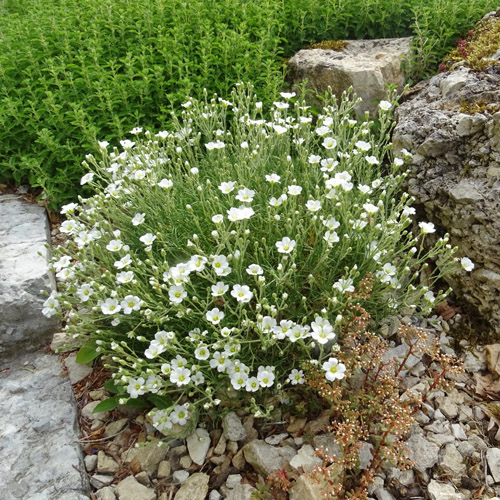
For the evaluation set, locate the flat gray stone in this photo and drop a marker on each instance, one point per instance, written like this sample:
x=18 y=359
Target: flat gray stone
x=423 y=452
x=198 y=443
x=38 y=431
x=233 y=428
x=76 y=371
x=263 y=457
x=194 y=487
x=24 y=232
x=148 y=456
x=131 y=489
x=493 y=458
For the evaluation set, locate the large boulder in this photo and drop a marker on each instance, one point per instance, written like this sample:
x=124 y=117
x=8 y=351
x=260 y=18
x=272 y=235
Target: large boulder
x=451 y=125
x=24 y=273
x=367 y=66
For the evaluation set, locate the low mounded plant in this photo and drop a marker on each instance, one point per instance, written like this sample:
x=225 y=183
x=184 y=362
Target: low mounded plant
x=218 y=261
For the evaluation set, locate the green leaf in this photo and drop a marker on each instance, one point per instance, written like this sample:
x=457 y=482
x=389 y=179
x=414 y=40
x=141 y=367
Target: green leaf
x=87 y=353
x=160 y=402
x=107 y=405
x=136 y=403
x=112 y=388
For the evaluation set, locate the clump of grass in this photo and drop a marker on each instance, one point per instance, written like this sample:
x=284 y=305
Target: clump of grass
x=337 y=45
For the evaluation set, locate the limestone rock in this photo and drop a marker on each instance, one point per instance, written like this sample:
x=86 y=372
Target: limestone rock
x=454 y=176
x=198 y=443
x=164 y=469
x=24 y=232
x=131 y=489
x=443 y=491
x=148 y=456
x=179 y=476
x=306 y=488
x=193 y=488
x=366 y=65
x=233 y=428
x=423 y=452
x=451 y=463
x=105 y=464
x=241 y=492
x=106 y=493
x=263 y=457
x=493 y=459
x=306 y=459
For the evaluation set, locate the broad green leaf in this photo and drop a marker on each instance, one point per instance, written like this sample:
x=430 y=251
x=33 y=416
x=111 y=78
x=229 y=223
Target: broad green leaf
x=87 y=353
x=107 y=405
x=160 y=402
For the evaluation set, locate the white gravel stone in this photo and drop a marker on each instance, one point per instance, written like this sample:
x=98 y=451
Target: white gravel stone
x=90 y=462
x=276 y=438
x=306 y=459
x=131 y=489
x=194 y=487
x=233 y=480
x=179 y=476
x=263 y=457
x=493 y=459
x=233 y=428
x=241 y=492
x=443 y=491
x=423 y=452
x=458 y=432
x=198 y=443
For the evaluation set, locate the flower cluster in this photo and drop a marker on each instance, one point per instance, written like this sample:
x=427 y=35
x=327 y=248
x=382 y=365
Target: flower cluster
x=214 y=262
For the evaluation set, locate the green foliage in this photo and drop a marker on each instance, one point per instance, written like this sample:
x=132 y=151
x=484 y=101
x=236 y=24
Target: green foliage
x=79 y=71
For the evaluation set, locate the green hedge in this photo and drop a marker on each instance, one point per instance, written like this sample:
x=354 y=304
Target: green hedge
x=77 y=71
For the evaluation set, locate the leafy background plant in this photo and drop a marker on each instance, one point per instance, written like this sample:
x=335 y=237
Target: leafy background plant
x=75 y=72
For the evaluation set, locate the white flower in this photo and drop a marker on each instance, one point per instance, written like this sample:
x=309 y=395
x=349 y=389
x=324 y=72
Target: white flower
x=333 y=369
x=331 y=237
x=220 y=288
x=328 y=164
x=123 y=262
x=329 y=143
x=322 y=330
x=254 y=269
x=279 y=129
x=385 y=105
x=66 y=274
x=370 y=208
x=286 y=245
x=114 y=246
x=165 y=183
x=215 y=316
x=138 y=219
x=313 y=205
x=252 y=384
x=69 y=208
x=110 y=306
x=372 y=160
x=220 y=264
x=245 y=195
x=407 y=211
x=398 y=162
x=281 y=105
x=126 y=144
x=296 y=377
x=84 y=292
x=321 y=131
x=177 y=294
x=331 y=223
x=273 y=178
x=63 y=262
x=202 y=353
x=244 y=145
x=179 y=415
x=467 y=264
x=198 y=378
x=125 y=277
x=364 y=189
x=344 y=285
x=147 y=239
x=429 y=297
x=265 y=377
x=238 y=380
x=242 y=293
x=215 y=145
x=240 y=213
x=86 y=178
x=363 y=146
x=178 y=362
x=294 y=190
x=287 y=95
x=50 y=306
x=154 y=350
x=69 y=227
x=220 y=361
x=136 y=130
x=136 y=387
x=217 y=218
x=130 y=303
x=103 y=144
x=227 y=187
x=427 y=227
x=180 y=376
x=314 y=159
x=197 y=263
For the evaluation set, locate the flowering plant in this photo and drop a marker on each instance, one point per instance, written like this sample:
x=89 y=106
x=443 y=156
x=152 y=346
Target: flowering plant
x=217 y=260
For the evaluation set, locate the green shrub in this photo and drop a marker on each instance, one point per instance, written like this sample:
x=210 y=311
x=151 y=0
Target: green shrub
x=79 y=71
x=218 y=255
